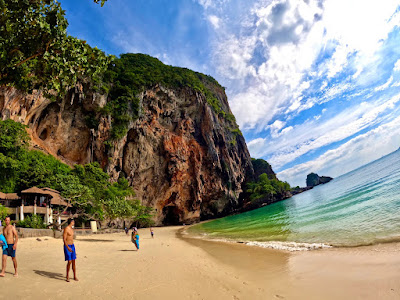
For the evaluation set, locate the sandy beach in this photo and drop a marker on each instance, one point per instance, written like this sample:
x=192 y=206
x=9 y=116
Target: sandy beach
x=171 y=267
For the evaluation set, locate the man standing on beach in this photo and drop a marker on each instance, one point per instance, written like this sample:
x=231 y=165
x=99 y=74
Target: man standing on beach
x=69 y=248
x=12 y=239
x=151 y=232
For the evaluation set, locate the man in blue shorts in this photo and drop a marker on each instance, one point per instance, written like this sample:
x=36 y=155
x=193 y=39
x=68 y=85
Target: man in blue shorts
x=69 y=248
x=11 y=237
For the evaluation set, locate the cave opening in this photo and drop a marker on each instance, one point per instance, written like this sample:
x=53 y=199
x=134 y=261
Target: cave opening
x=171 y=215
x=43 y=135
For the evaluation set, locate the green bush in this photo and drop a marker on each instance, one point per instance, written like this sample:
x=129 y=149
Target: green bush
x=34 y=221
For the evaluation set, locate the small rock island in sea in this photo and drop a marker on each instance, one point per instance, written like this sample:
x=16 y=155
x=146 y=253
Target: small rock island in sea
x=314 y=180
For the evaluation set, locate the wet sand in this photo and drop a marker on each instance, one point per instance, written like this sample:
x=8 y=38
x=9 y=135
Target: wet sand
x=172 y=267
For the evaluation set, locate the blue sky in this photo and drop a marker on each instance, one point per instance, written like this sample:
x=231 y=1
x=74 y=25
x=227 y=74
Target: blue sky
x=314 y=84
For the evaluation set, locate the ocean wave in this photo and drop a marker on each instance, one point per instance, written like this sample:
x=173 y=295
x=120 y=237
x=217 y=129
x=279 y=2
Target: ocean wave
x=289 y=246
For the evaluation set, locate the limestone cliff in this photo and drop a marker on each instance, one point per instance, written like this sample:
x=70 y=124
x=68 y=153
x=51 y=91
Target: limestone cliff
x=181 y=157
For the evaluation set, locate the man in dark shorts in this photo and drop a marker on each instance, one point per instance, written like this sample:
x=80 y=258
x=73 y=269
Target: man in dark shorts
x=12 y=240
x=69 y=248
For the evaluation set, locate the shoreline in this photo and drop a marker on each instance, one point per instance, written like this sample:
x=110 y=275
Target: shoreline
x=291 y=246
x=357 y=272
x=174 y=267
x=276 y=245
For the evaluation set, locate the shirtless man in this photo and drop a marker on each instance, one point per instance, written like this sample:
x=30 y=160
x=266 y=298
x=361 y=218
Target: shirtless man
x=69 y=248
x=12 y=240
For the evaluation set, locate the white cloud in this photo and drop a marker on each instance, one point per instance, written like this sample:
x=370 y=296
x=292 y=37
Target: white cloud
x=385 y=85
x=349 y=156
x=314 y=134
x=205 y=3
x=214 y=20
x=287 y=129
x=270 y=52
x=256 y=146
x=338 y=60
x=261 y=63
x=396 y=66
x=276 y=127
x=209 y=4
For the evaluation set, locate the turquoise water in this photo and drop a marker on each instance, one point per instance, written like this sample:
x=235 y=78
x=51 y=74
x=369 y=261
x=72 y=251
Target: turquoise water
x=359 y=208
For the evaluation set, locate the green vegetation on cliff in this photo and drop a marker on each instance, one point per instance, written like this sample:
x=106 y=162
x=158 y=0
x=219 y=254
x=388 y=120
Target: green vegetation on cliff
x=130 y=74
x=266 y=185
x=87 y=187
x=261 y=166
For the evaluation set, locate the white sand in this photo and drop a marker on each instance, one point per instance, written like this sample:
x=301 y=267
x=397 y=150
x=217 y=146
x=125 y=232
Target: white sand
x=168 y=267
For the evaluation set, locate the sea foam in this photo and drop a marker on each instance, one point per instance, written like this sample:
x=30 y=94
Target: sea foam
x=289 y=246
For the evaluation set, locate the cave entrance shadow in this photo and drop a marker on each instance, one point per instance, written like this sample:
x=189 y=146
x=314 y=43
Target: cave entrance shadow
x=171 y=214
x=52 y=275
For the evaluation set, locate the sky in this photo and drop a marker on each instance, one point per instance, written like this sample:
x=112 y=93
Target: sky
x=314 y=84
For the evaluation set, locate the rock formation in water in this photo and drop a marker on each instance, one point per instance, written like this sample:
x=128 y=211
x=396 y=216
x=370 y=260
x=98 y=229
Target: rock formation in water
x=180 y=157
x=314 y=180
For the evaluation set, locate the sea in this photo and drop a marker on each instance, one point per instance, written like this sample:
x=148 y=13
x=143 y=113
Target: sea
x=359 y=208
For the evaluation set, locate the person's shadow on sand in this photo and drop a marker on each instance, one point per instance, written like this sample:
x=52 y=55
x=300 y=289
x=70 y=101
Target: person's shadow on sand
x=127 y=250
x=52 y=275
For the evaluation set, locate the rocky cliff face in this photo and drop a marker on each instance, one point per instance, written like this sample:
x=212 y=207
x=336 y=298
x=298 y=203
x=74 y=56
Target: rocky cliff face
x=179 y=156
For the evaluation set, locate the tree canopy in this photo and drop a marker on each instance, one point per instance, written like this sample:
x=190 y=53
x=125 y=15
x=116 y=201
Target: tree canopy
x=37 y=53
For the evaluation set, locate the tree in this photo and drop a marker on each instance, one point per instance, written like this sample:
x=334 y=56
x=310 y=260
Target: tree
x=13 y=143
x=79 y=195
x=13 y=137
x=37 y=53
x=144 y=216
x=266 y=187
x=3 y=212
x=9 y=170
